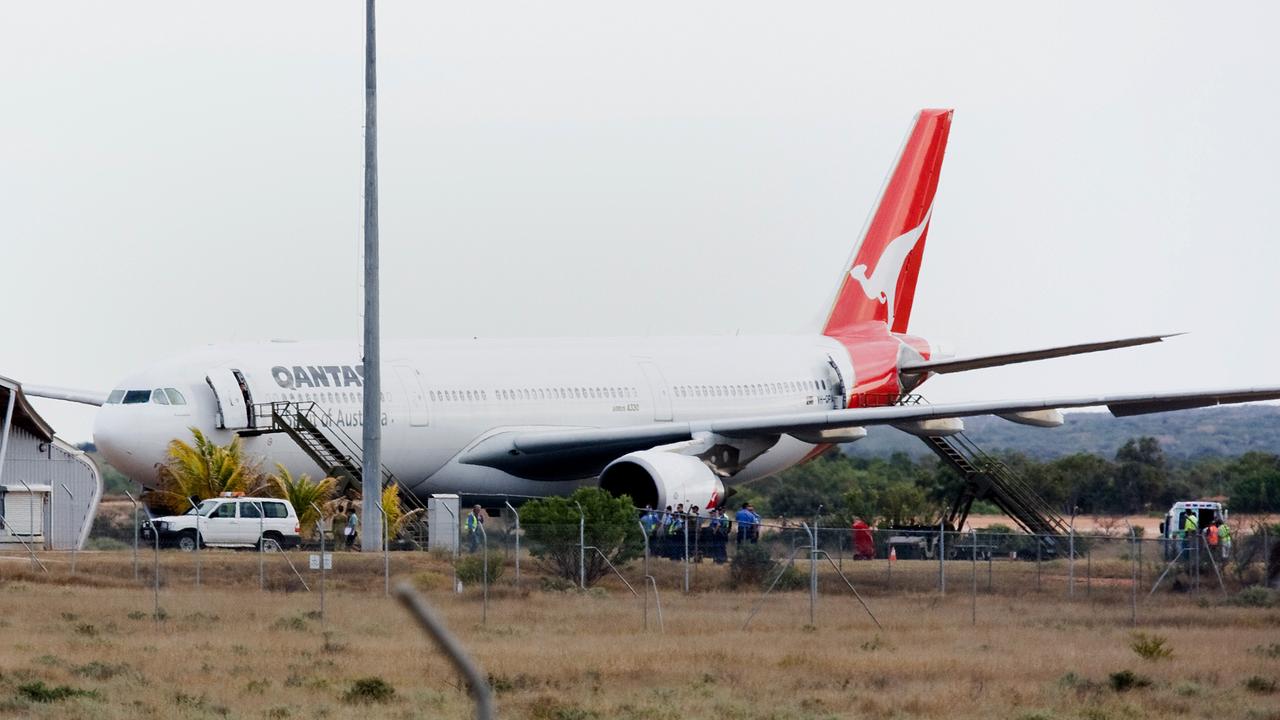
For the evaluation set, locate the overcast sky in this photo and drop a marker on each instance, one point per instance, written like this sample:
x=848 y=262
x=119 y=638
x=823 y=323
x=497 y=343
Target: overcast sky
x=180 y=173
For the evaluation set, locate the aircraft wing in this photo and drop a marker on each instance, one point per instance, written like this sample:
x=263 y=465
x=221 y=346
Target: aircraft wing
x=977 y=362
x=533 y=452
x=88 y=397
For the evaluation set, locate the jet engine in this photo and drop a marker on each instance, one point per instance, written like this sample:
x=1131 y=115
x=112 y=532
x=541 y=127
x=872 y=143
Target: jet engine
x=660 y=478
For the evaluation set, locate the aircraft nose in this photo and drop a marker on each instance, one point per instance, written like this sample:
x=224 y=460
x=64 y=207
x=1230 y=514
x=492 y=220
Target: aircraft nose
x=126 y=445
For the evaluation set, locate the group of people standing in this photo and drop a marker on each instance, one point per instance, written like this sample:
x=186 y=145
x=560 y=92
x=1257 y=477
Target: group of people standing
x=1217 y=534
x=677 y=533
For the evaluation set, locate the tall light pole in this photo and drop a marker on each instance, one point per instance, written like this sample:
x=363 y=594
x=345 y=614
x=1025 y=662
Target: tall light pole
x=371 y=470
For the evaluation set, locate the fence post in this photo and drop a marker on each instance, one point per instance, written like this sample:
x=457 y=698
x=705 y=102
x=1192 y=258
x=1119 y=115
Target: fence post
x=136 y=532
x=813 y=574
x=76 y=546
x=517 y=516
x=1039 y=546
x=198 y=536
x=686 y=555
x=1133 y=557
x=386 y=551
x=484 y=612
x=1088 y=572
x=974 y=563
x=582 y=547
x=1071 y=558
x=942 y=553
x=1266 y=555
x=262 y=547
x=320 y=529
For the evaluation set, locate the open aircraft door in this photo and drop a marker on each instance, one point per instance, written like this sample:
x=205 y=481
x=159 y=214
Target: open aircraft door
x=235 y=405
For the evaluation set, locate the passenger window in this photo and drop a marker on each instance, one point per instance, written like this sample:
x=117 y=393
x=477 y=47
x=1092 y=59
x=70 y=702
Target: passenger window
x=158 y=397
x=225 y=510
x=249 y=510
x=137 y=397
x=432 y=395
x=275 y=510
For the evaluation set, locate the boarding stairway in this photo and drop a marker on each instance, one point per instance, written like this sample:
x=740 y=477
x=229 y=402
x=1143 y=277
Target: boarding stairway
x=986 y=478
x=325 y=442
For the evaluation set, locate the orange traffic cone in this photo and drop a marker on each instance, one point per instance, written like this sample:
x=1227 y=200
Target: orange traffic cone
x=893 y=554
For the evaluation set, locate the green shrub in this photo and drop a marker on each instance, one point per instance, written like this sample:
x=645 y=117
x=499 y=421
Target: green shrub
x=551 y=531
x=1151 y=647
x=1260 y=685
x=470 y=568
x=39 y=692
x=750 y=566
x=367 y=690
x=1255 y=597
x=1270 y=651
x=1127 y=680
x=100 y=670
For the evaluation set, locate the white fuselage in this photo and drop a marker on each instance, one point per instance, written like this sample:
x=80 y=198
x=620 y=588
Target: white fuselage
x=442 y=396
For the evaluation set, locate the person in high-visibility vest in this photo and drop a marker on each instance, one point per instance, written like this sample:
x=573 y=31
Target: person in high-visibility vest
x=474 y=520
x=1224 y=538
x=1211 y=536
x=1190 y=528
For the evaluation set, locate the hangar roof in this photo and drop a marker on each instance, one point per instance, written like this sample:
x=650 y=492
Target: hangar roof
x=24 y=416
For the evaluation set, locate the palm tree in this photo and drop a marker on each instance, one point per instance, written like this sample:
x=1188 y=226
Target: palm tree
x=303 y=493
x=204 y=470
x=397 y=518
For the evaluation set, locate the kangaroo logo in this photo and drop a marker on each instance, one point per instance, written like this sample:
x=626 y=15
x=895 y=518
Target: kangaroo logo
x=882 y=286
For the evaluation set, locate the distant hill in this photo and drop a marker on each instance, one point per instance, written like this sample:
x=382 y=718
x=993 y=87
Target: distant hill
x=1223 y=431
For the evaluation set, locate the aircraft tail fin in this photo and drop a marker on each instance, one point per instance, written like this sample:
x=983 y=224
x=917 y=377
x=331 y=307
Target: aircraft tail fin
x=879 y=281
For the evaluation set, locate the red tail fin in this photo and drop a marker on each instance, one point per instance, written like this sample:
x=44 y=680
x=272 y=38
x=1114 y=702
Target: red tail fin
x=880 y=281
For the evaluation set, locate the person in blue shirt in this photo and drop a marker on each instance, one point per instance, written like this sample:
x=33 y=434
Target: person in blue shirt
x=649 y=519
x=745 y=519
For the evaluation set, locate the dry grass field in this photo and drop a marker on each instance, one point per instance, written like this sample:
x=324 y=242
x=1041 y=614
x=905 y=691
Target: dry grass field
x=89 y=647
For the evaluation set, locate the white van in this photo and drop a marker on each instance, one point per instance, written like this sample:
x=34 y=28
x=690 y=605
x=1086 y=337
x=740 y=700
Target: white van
x=1205 y=511
x=230 y=521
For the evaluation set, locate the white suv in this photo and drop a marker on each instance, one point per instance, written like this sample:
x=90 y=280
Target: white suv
x=269 y=523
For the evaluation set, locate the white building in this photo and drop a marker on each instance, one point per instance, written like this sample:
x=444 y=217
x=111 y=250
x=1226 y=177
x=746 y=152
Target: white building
x=49 y=491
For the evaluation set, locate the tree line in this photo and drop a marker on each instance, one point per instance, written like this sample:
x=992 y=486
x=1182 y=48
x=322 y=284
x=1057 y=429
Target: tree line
x=901 y=490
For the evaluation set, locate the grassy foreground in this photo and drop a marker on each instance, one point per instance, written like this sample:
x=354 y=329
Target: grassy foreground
x=89 y=648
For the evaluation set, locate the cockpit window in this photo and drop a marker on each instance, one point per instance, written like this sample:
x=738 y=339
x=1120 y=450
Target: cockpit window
x=115 y=397
x=175 y=397
x=137 y=397
x=158 y=397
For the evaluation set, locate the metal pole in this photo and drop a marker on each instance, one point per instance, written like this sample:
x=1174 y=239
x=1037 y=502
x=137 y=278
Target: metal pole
x=974 y=563
x=136 y=532
x=386 y=557
x=197 y=551
x=813 y=575
x=484 y=538
x=686 y=555
x=31 y=511
x=1088 y=572
x=942 y=551
x=1071 y=558
x=430 y=622
x=1133 y=571
x=371 y=436
x=320 y=528
x=517 y=516
x=1039 y=546
x=262 y=547
x=155 y=572
x=76 y=545
x=582 y=546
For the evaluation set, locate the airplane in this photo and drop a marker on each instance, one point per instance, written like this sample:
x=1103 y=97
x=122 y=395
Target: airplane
x=665 y=420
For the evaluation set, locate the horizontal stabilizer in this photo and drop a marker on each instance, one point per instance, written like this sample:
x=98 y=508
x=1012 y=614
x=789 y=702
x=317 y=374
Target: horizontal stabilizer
x=950 y=365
